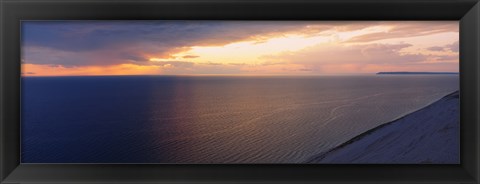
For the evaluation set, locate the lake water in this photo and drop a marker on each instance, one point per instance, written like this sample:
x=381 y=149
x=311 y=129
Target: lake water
x=171 y=119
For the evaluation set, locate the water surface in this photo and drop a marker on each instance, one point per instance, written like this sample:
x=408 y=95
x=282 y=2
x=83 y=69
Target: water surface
x=171 y=119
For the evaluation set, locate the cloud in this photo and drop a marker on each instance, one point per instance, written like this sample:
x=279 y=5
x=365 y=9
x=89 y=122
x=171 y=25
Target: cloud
x=181 y=64
x=436 y=48
x=447 y=58
x=79 y=44
x=454 y=47
x=365 y=58
x=133 y=57
x=28 y=73
x=369 y=53
x=190 y=56
x=88 y=35
x=211 y=63
x=50 y=56
x=408 y=29
x=237 y=64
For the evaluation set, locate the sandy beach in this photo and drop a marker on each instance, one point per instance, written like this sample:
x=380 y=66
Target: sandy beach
x=430 y=135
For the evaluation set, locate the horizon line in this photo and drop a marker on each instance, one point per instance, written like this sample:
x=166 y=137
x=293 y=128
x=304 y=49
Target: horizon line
x=233 y=75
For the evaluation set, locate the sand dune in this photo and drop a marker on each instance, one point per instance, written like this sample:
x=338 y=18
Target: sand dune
x=429 y=135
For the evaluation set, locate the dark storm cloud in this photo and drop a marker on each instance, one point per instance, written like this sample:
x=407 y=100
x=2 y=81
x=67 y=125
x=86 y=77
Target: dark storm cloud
x=83 y=43
x=92 y=35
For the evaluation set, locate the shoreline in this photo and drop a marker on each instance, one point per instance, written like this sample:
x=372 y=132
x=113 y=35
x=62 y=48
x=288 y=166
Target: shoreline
x=361 y=148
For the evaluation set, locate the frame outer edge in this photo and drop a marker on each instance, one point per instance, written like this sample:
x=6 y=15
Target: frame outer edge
x=476 y=8
x=473 y=40
x=476 y=172
x=7 y=164
x=2 y=129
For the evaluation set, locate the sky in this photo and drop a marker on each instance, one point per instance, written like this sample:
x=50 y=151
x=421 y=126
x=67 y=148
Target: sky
x=79 y=48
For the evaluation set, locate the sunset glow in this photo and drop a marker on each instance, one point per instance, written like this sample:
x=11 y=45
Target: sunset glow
x=77 y=48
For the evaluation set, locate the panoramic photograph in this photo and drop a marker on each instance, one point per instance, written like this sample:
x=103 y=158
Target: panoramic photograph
x=240 y=92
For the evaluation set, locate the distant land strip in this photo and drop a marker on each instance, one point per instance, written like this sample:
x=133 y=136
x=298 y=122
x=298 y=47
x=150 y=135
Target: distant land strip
x=416 y=73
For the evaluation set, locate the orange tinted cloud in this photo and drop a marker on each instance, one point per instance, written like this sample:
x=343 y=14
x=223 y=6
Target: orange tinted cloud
x=58 y=70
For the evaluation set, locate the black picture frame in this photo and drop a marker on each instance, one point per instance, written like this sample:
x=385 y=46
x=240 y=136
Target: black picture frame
x=13 y=11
